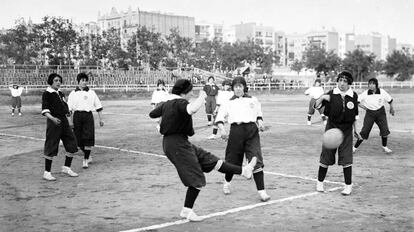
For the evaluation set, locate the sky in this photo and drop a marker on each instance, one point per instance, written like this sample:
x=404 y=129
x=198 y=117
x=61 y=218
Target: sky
x=388 y=17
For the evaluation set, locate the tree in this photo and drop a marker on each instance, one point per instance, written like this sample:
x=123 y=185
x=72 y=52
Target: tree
x=179 y=48
x=266 y=60
x=203 y=55
x=208 y=55
x=112 y=49
x=147 y=47
x=242 y=52
x=377 y=66
x=18 y=45
x=57 y=39
x=400 y=64
x=98 y=50
x=249 y=51
x=321 y=61
x=358 y=63
x=297 y=66
x=333 y=62
x=229 y=58
x=84 y=50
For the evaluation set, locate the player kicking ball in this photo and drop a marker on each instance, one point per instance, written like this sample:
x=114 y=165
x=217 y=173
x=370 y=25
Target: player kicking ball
x=190 y=161
x=244 y=114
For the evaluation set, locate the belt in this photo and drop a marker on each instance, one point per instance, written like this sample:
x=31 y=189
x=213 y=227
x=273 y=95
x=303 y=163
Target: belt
x=240 y=123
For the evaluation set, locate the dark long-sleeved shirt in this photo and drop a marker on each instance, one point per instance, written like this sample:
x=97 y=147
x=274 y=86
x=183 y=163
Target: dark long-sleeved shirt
x=53 y=102
x=175 y=118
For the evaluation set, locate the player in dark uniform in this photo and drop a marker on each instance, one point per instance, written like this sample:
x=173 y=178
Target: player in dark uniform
x=341 y=107
x=211 y=90
x=190 y=161
x=55 y=108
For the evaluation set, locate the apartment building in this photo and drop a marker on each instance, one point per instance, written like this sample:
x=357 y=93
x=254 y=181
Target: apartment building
x=369 y=43
x=328 y=40
x=263 y=35
x=129 y=21
x=346 y=44
x=280 y=47
x=388 y=45
x=295 y=47
x=208 y=31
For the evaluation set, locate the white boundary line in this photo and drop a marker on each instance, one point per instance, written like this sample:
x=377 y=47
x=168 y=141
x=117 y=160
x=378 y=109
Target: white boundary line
x=163 y=156
x=21 y=136
x=222 y=213
x=276 y=123
x=233 y=210
x=131 y=151
x=301 y=177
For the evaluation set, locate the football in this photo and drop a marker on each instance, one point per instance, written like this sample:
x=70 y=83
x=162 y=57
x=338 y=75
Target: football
x=332 y=138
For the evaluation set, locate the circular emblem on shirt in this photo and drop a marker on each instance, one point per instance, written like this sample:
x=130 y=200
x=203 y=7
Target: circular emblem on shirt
x=350 y=105
x=85 y=97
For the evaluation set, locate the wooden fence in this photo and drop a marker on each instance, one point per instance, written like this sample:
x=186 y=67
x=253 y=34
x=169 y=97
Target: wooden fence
x=252 y=86
x=131 y=80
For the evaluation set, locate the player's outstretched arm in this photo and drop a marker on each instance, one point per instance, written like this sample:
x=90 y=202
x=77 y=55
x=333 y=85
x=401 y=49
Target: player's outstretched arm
x=194 y=106
x=156 y=113
x=319 y=101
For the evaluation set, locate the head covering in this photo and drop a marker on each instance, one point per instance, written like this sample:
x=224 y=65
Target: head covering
x=210 y=77
x=52 y=76
x=239 y=80
x=374 y=81
x=82 y=76
x=182 y=86
x=347 y=75
x=318 y=80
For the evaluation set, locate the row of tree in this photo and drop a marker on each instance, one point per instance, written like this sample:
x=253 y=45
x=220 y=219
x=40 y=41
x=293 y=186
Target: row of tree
x=398 y=64
x=54 y=41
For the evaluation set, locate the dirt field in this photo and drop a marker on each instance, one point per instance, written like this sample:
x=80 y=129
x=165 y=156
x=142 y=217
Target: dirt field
x=136 y=188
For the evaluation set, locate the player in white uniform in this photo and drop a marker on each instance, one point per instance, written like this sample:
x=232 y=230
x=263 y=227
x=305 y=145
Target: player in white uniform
x=373 y=101
x=315 y=92
x=159 y=96
x=16 y=92
x=82 y=102
x=245 y=117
